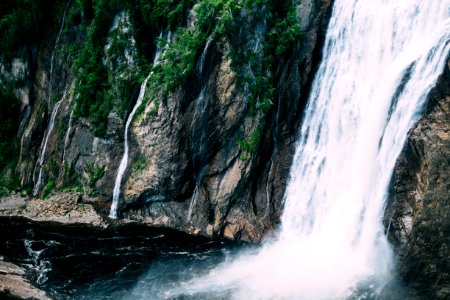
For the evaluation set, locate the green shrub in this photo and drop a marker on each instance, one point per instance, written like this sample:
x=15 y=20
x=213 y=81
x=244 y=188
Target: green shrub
x=250 y=145
x=9 y=124
x=285 y=31
x=140 y=165
x=22 y=22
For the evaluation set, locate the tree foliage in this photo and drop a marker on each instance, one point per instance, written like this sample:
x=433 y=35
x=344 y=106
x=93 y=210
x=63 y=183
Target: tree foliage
x=23 y=22
x=9 y=123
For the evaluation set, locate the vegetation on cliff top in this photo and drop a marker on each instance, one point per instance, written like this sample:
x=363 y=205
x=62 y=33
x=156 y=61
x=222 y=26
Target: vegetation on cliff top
x=218 y=18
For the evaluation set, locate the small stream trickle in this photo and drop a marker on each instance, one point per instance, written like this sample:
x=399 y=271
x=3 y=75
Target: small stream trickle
x=40 y=163
x=199 y=130
x=124 y=161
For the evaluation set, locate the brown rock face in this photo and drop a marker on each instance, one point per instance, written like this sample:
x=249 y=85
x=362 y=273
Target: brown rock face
x=418 y=213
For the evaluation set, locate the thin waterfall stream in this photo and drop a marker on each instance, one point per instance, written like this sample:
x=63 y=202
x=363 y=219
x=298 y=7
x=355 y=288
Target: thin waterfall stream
x=41 y=159
x=52 y=59
x=124 y=161
x=199 y=124
x=40 y=162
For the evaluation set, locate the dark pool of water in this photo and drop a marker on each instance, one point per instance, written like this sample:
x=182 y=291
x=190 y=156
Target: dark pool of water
x=127 y=262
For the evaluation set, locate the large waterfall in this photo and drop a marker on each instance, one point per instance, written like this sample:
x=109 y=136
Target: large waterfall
x=380 y=60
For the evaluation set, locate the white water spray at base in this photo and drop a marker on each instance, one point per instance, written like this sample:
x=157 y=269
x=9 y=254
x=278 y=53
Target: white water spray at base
x=381 y=58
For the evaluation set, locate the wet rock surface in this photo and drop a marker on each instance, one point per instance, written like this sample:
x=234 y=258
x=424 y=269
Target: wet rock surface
x=77 y=261
x=14 y=285
x=418 y=211
x=196 y=177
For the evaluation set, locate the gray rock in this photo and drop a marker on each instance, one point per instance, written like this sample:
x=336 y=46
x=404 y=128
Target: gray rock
x=13 y=284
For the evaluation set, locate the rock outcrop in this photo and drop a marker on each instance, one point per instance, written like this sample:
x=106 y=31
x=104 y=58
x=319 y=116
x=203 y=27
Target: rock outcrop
x=418 y=212
x=13 y=284
x=65 y=209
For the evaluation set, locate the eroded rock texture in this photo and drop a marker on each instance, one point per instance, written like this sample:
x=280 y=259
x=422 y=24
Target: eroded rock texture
x=418 y=213
x=203 y=158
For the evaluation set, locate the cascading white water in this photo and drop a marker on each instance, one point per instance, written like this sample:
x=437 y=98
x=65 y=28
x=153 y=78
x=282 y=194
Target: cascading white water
x=68 y=131
x=40 y=162
x=201 y=63
x=124 y=161
x=193 y=202
x=381 y=58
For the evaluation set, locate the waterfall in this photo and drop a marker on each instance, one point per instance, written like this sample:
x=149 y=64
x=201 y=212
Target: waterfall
x=68 y=131
x=380 y=60
x=66 y=143
x=124 y=161
x=54 y=51
x=199 y=125
x=41 y=159
x=201 y=62
x=193 y=202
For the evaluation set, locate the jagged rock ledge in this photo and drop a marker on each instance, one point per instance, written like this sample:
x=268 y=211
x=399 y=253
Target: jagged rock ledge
x=68 y=208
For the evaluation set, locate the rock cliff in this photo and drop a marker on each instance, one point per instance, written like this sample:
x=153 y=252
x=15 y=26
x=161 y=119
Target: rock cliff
x=211 y=146
x=418 y=212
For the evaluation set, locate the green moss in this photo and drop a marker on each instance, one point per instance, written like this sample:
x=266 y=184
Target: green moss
x=285 y=31
x=8 y=184
x=71 y=180
x=95 y=96
x=250 y=144
x=216 y=17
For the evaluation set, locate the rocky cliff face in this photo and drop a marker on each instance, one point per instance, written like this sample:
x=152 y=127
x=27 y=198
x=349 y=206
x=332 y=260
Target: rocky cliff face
x=211 y=155
x=197 y=176
x=418 y=213
x=211 y=148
